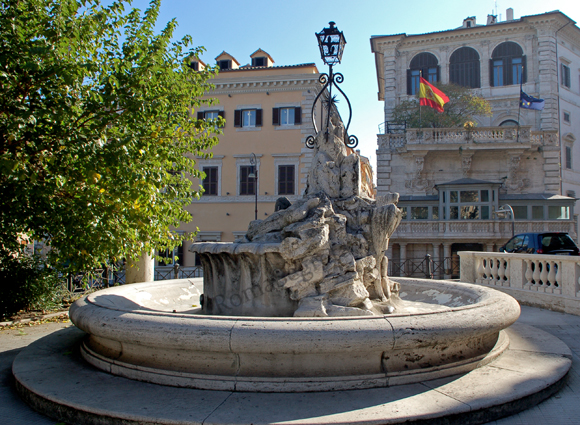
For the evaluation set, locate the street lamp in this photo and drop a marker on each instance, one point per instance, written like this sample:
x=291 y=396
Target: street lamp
x=254 y=175
x=502 y=212
x=331 y=43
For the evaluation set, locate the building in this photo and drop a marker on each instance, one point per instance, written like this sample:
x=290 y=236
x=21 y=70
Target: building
x=452 y=182
x=261 y=155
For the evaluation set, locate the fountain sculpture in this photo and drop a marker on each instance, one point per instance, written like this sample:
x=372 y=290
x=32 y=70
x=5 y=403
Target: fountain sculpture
x=322 y=256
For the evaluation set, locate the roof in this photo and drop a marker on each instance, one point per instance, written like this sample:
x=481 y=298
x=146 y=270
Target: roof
x=227 y=55
x=533 y=196
x=522 y=19
x=249 y=67
x=261 y=53
x=466 y=181
x=409 y=198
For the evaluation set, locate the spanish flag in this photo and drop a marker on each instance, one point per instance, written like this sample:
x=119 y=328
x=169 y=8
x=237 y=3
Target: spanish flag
x=430 y=95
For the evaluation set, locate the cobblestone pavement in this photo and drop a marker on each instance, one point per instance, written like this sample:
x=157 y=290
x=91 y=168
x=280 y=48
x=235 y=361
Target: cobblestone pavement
x=561 y=409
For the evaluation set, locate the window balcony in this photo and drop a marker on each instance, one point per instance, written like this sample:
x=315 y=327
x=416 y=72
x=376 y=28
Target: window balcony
x=482 y=137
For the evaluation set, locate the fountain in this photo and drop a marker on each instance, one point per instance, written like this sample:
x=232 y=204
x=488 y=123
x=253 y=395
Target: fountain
x=301 y=304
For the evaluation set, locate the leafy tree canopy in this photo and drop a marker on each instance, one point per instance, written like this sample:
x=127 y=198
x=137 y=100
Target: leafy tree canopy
x=462 y=107
x=97 y=139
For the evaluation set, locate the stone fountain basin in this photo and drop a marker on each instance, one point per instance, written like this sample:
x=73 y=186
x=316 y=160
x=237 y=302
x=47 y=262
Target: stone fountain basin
x=154 y=332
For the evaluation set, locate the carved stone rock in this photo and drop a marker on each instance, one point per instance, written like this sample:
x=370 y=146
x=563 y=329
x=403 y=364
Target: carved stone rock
x=323 y=255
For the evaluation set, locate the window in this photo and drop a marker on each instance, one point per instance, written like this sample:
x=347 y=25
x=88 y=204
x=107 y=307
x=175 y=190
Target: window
x=507 y=65
x=569 y=157
x=558 y=213
x=194 y=65
x=287 y=116
x=224 y=64
x=170 y=257
x=464 y=68
x=565 y=79
x=424 y=64
x=210 y=183
x=419 y=213
x=520 y=212
x=473 y=204
x=259 y=61
x=209 y=115
x=248 y=118
x=537 y=212
x=248 y=177
x=286 y=179
x=567 y=117
x=435 y=213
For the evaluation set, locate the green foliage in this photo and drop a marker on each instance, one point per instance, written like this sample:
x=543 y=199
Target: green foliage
x=97 y=139
x=463 y=106
x=25 y=283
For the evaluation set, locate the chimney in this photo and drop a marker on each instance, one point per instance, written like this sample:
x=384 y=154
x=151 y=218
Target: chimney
x=509 y=14
x=491 y=19
x=469 y=22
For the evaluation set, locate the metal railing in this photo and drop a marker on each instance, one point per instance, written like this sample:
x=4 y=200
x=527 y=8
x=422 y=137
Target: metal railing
x=425 y=267
x=114 y=275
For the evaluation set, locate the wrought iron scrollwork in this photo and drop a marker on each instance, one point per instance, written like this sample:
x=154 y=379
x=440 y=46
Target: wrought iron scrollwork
x=352 y=142
x=329 y=80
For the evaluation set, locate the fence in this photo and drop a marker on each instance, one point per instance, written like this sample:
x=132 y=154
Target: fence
x=113 y=275
x=548 y=281
x=425 y=267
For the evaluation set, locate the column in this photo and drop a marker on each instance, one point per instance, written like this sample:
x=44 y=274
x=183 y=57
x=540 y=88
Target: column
x=447 y=260
x=403 y=258
x=437 y=272
x=141 y=270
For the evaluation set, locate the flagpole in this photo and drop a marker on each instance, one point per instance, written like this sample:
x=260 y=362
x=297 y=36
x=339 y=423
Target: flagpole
x=420 y=115
x=520 y=103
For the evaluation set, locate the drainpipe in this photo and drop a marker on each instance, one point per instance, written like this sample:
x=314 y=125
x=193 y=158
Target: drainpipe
x=558 y=76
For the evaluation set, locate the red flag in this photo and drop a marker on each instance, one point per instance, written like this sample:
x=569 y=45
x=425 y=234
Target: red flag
x=429 y=95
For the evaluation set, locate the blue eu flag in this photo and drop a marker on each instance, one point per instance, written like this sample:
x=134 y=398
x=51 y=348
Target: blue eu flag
x=529 y=102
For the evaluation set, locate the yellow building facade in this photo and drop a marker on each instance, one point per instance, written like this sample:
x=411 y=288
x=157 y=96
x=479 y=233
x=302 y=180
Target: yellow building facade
x=268 y=118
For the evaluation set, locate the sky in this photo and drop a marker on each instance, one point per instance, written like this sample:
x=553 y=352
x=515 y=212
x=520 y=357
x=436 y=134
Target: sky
x=286 y=31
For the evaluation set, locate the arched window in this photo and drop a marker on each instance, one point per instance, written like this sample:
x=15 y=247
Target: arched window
x=424 y=64
x=507 y=65
x=464 y=68
x=509 y=123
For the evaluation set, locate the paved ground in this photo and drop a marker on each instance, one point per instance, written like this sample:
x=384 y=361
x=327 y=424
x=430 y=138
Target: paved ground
x=562 y=409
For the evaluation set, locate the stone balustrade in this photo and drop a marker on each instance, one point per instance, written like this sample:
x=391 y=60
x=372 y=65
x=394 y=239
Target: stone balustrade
x=479 y=135
x=476 y=229
x=546 y=281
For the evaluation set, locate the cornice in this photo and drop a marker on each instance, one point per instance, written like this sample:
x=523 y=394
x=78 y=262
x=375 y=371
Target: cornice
x=226 y=87
x=479 y=34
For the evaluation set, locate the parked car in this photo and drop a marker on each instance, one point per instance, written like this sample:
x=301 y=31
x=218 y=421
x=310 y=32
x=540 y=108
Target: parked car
x=541 y=243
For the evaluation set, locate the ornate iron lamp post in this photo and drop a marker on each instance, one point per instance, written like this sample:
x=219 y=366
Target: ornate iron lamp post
x=331 y=43
x=254 y=175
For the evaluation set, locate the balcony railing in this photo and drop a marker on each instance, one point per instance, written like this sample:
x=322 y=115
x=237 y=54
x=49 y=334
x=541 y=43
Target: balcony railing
x=479 y=135
x=477 y=229
x=548 y=281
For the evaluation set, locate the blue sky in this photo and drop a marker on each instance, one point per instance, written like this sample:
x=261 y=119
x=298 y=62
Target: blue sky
x=286 y=31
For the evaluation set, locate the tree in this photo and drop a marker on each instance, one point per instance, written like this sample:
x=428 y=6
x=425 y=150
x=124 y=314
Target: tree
x=97 y=139
x=462 y=107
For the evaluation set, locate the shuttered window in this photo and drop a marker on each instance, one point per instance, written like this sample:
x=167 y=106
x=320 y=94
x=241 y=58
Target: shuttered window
x=464 y=68
x=286 y=179
x=507 y=65
x=423 y=64
x=248 y=118
x=210 y=182
x=247 y=183
x=287 y=116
